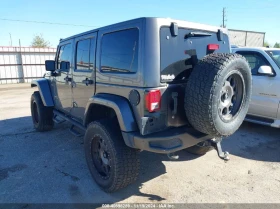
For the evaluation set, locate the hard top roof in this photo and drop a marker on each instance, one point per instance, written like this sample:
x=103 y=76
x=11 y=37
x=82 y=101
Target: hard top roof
x=166 y=21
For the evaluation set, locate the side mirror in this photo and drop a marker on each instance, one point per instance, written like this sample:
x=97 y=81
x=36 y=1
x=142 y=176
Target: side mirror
x=64 y=65
x=265 y=70
x=50 y=65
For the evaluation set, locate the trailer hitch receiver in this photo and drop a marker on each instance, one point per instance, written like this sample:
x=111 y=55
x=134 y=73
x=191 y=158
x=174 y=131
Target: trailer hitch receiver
x=216 y=143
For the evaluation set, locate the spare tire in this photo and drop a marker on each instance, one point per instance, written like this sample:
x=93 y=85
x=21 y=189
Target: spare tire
x=218 y=93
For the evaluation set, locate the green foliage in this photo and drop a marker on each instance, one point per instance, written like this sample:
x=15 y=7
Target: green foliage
x=40 y=42
x=277 y=45
x=266 y=44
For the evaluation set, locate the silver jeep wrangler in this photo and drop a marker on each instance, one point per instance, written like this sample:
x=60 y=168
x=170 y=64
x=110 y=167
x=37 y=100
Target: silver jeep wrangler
x=153 y=84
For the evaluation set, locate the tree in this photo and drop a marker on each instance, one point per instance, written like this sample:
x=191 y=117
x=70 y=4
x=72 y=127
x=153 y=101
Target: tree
x=39 y=41
x=266 y=44
x=277 y=45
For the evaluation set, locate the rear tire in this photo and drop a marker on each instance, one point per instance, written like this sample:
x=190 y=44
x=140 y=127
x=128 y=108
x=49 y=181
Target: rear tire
x=112 y=164
x=42 y=116
x=218 y=93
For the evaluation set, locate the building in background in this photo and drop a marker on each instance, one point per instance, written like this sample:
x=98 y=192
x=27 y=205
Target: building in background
x=23 y=64
x=246 y=38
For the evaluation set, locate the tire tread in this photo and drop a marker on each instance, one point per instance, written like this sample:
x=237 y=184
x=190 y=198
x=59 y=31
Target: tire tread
x=200 y=91
x=46 y=122
x=127 y=159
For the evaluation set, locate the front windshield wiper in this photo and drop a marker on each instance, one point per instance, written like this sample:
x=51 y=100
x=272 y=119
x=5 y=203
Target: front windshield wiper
x=197 y=34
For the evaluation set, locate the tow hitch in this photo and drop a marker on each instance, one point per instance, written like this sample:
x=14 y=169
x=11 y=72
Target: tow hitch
x=216 y=143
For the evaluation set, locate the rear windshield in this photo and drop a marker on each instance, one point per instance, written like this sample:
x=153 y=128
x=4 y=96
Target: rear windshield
x=180 y=53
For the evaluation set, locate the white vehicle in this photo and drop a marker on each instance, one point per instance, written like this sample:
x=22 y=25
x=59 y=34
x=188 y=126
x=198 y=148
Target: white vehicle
x=265 y=102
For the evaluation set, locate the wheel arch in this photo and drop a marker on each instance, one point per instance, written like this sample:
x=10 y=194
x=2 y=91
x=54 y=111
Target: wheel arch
x=103 y=105
x=44 y=90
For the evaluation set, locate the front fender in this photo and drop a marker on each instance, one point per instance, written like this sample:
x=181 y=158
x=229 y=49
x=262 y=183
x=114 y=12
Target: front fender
x=121 y=107
x=45 y=91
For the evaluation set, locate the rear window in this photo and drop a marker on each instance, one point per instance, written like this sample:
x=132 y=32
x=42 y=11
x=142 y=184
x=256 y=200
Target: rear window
x=119 y=51
x=180 y=53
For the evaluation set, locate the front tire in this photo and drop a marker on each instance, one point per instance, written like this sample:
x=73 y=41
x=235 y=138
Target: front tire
x=112 y=164
x=42 y=116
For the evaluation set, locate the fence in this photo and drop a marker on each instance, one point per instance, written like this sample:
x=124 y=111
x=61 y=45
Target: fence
x=246 y=38
x=23 y=64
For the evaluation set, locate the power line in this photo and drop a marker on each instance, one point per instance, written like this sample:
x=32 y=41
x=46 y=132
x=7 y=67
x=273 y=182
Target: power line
x=50 y=23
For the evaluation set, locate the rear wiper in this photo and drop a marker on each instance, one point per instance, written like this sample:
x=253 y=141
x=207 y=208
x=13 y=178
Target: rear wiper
x=197 y=34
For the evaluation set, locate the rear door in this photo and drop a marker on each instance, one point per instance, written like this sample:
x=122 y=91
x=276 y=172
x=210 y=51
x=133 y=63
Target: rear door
x=83 y=81
x=62 y=81
x=265 y=94
x=179 y=54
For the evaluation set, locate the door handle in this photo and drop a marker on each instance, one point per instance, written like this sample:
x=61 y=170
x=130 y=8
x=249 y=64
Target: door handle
x=67 y=79
x=87 y=82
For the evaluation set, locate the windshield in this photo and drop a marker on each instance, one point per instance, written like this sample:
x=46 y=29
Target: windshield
x=275 y=55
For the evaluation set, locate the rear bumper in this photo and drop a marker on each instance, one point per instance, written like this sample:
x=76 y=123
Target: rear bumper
x=165 y=141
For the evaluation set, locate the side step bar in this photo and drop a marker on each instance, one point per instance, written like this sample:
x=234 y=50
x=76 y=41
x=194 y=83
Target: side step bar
x=263 y=121
x=75 y=132
x=72 y=121
x=56 y=120
x=259 y=120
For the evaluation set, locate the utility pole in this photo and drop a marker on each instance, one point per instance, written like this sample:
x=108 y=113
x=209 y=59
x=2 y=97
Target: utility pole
x=224 y=18
x=11 y=42
x=20 y=70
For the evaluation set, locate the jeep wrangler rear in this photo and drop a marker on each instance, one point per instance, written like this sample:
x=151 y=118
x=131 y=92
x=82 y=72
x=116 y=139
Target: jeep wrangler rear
x=151 y=84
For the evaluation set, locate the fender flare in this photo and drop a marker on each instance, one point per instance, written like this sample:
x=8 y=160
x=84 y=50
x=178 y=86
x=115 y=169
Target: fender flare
x=121 y=107
x=45 y=91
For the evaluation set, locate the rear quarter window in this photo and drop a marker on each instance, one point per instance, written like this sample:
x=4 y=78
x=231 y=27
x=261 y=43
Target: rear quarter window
x=119 y=51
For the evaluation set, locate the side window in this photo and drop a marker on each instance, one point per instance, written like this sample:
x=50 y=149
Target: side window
x=119 y=51
x=85 y=54
x=64 y=54
x=255 y=61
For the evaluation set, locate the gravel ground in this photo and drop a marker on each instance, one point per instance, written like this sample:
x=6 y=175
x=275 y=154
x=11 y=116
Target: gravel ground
x=50 y=167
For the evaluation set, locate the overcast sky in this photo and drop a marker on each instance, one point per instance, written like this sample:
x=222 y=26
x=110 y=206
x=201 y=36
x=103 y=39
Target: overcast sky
x=253 y=15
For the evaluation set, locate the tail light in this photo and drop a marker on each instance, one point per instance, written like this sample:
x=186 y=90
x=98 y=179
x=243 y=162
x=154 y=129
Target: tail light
x=213 y=47
x=152 y=99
